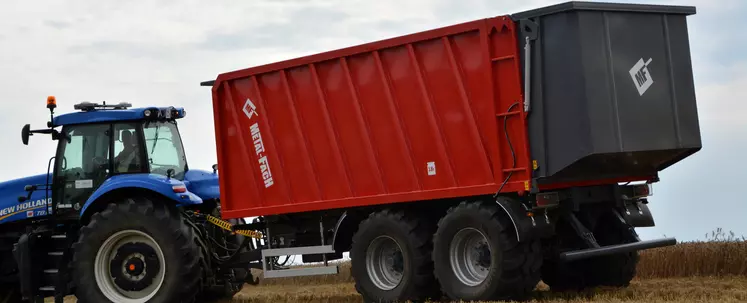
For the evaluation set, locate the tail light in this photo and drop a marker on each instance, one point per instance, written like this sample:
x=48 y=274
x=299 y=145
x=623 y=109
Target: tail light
x=179 y=188
x=643 y=190
x=544 y=200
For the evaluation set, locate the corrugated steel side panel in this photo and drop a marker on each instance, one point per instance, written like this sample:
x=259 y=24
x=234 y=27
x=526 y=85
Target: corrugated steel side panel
x=416 y=117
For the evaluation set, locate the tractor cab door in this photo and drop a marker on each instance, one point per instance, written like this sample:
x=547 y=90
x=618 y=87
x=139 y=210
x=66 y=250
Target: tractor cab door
x=82 y=164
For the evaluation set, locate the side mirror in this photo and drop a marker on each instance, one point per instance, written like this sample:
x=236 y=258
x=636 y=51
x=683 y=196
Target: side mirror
x=215 y=168
x=22 y=199
x=25 y=133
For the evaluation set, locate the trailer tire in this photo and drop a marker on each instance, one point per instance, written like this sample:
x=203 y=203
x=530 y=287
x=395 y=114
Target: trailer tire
x=410 y=279
x=509 y=271
x=614 y=270
x=150 y=232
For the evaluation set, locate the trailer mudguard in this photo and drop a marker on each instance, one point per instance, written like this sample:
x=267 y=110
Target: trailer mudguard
x=168 y=188
x=528 y=227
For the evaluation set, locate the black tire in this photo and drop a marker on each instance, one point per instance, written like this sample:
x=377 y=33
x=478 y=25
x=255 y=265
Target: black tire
x=181 y=256
x=613 y=270
x=10 y=294
x=513 y=270
x=413 y=236
x=566 y=276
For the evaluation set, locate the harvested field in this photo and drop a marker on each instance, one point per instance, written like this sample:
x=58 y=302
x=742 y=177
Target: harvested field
x=711 y=289
x=709 y=271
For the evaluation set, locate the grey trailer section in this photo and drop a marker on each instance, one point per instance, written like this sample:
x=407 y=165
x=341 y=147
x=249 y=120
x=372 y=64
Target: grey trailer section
x=611 y=91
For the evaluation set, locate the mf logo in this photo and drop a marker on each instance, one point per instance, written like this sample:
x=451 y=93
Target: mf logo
x=641 y=76
x=250 y=109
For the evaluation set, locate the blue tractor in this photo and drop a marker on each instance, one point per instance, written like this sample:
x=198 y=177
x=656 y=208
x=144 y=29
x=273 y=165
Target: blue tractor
x=119 y=216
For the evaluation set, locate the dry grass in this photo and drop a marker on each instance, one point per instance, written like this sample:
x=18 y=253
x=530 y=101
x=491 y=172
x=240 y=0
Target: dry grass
x=721 y=289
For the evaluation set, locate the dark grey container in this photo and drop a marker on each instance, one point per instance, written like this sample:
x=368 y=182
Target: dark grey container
x=611 y=92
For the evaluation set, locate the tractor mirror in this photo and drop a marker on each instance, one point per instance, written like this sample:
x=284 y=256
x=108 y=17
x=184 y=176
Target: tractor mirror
x=25 y=133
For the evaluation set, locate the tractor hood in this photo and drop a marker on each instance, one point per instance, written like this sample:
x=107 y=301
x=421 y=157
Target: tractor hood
x=12 y=210
x=202 y=183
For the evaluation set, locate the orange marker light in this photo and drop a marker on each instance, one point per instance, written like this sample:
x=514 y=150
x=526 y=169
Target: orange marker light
x=51 y=102
x=132 y=266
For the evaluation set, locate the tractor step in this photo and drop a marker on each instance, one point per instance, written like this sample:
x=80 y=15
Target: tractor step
x=297 y=272
x=47 y=288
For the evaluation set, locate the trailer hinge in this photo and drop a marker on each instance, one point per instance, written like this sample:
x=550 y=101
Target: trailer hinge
x=229 y=227
x=529 y=32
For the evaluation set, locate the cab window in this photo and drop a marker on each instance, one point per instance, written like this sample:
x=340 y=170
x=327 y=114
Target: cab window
x=164 y=148
x=127 y=149
x=83 y=163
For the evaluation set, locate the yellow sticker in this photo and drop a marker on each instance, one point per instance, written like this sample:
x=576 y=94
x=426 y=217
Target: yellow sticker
x=526 y=185
x=534 y=165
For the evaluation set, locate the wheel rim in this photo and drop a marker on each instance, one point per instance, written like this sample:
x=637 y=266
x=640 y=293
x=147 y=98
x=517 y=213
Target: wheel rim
x=385 y=262
x=129 y=267
x=470 y=256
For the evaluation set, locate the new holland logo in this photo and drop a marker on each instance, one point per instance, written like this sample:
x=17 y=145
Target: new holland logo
x=641 y=76
x=250 y=109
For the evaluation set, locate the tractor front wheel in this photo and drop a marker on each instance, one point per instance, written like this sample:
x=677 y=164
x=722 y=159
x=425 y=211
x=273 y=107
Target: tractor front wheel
x=136 y=251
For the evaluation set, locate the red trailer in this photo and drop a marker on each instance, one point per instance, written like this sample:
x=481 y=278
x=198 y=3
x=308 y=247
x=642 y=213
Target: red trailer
x=425 y=155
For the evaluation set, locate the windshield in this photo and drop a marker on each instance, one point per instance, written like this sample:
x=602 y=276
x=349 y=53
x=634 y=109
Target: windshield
x=164 y=148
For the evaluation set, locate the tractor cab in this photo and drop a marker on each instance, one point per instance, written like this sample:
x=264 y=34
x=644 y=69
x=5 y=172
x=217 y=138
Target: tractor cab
x=101 y=141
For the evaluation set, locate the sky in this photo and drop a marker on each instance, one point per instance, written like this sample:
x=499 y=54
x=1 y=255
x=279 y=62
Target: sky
x=157 y=52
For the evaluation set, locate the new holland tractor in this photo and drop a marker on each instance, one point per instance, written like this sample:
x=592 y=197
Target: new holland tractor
x=119 y=216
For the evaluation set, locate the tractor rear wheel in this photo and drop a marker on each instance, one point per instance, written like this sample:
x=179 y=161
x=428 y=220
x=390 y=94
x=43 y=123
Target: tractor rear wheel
x=136 y=251
x=9 y=294
x=391 y=258
x=478 y=258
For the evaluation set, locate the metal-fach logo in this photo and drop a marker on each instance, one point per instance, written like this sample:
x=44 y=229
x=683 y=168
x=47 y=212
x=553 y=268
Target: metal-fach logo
x=259 y=147
x=641 y=76
x=250 y=109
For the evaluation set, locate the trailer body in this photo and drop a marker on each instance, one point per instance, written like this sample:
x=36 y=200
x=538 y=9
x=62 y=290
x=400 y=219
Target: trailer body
x=443 y=114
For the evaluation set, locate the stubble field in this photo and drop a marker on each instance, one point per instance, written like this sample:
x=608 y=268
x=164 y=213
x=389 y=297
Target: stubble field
x=709 y=271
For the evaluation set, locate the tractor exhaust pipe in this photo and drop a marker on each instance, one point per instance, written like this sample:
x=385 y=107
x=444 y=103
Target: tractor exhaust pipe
x=615 y=249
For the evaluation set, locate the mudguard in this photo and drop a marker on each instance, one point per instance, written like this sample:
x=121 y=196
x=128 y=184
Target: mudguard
x=202 y=183
x=156 y=183
x=637 y=214
x=527 y=227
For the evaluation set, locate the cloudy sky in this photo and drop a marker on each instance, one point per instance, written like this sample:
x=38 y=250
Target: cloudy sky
x=156 y=53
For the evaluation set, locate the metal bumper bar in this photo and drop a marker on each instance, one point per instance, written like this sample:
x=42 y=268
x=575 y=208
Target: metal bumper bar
x=615 y=249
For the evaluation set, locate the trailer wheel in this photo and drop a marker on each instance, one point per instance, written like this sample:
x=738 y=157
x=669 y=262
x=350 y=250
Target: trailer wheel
x=391 y=258
x=136 y=251
x=613 y=270
x=477 y=256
